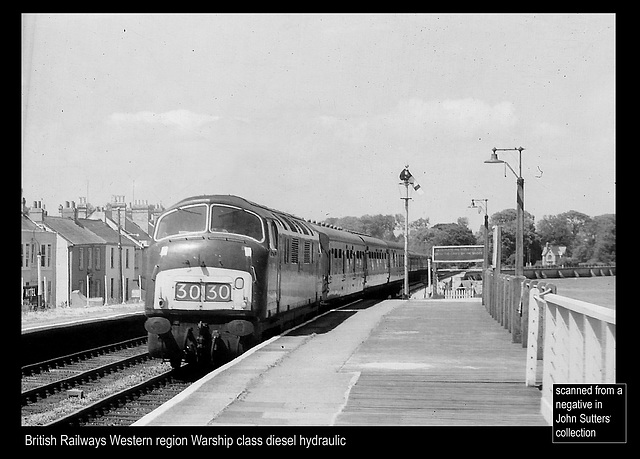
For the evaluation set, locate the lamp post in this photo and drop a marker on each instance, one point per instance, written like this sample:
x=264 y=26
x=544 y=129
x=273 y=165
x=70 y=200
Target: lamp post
x=519 y=271
x=405 y=176
x=478 y=204
x=407 y=179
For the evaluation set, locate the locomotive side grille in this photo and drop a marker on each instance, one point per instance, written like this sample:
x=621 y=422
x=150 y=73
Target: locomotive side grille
x=295 y=242
x=306 y=254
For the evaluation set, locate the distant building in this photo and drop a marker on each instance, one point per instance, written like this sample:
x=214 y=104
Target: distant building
x=98 y=253
x=554 y=255
x=38 y=259
x=136 y=224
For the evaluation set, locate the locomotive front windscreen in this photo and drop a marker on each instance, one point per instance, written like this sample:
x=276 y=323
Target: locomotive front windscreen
x=225 y=219
x=183 y=220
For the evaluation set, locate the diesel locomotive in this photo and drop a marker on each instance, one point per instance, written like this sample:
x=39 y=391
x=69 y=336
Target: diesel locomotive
x=224 y=272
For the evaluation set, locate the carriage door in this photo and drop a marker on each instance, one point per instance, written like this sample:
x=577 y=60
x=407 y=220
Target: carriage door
x=365 y=265
x=275 y=267
x=325 y=264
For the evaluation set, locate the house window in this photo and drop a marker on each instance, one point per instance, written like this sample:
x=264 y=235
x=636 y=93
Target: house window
x=97 y=258
x=112 y=257
x=81 y=258
x=126 y=258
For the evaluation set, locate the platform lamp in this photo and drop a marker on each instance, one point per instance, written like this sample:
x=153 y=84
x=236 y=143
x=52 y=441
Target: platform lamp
x=519 y=271
x=481 y=204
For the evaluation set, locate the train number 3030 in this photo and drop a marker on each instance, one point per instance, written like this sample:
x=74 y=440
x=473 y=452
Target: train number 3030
x=209 y=291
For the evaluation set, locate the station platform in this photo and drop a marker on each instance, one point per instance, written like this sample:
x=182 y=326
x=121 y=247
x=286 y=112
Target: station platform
x=395 y=363
x=65 y=317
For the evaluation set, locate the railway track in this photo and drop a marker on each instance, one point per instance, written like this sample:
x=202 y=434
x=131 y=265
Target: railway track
x=112 y=385
x=53 y=389
x=124 y=407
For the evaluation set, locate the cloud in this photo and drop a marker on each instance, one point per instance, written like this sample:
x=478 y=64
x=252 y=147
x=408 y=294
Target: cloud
x=415 y=118
x=465 y=114
x=183 y=120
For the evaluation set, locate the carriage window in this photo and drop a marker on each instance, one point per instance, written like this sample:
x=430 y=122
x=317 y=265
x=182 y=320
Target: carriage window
x=183 y=220
x=226 y=219
x=273 y=236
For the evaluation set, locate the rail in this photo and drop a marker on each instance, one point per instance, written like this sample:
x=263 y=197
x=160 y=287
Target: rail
x=575 y=340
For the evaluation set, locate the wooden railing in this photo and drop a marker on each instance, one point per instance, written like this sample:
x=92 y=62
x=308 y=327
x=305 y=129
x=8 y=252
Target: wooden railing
x=579 y=344
x=574 y=339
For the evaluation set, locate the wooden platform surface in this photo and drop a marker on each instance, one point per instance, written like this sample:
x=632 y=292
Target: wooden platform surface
x=398 y=363
x=439 y=362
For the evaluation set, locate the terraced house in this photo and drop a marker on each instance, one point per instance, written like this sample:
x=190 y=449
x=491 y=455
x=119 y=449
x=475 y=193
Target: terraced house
x=80 y=261
x=38 y=261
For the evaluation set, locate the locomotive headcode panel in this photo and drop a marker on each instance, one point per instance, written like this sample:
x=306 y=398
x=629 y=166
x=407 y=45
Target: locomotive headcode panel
x=223 y=271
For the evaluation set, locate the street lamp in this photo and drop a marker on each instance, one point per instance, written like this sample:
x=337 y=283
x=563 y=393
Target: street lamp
x=477 y=204
x=519 y=271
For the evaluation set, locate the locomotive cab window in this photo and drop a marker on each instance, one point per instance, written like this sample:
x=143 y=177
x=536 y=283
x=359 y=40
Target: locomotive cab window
x=225 y=219
x=181 y=221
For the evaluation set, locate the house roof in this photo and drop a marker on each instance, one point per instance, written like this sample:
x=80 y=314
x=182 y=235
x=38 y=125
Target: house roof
x=131 y=229
x=28 y=225
x=71 y=231
x=136 y=231
x=104 y=231
x=558 y=250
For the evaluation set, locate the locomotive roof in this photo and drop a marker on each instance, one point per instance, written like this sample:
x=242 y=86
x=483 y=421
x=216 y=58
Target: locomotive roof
x=234 y=201
x=333 y=232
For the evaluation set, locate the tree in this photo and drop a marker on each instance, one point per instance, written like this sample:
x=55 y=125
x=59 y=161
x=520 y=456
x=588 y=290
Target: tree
x=555 y=230
x=423 y=239
x=532 y=247
x=596 y=241
x=588 y=240
x=380 y=226
x=564 y=229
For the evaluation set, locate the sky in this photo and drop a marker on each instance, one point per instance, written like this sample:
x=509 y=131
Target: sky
x=318 y=114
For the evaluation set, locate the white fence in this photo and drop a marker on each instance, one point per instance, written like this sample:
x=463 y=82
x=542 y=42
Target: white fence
x=459 y=293
x=579 y=344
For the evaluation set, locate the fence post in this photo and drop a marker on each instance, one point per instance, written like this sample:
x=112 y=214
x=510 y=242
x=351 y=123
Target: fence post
x=533 y=336
x=518 y=305
x=524 y=298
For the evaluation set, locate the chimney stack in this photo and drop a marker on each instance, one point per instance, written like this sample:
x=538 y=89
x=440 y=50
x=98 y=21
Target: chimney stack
x=118 y=208
x=37 y=213
x=68 y=211
x=83 y=208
